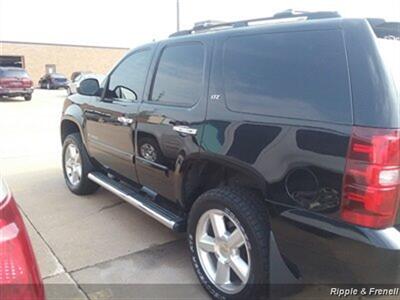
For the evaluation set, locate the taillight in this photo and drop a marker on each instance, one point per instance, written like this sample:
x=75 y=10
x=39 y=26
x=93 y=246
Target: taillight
x=371 y=186
x=27 y=82
x=3 y=82
x=19 y=276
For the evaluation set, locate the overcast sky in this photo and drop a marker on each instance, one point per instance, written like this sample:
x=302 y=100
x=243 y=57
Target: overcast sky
x=128 y=23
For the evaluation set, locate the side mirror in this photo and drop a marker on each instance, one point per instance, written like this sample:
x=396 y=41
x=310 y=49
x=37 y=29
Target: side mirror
x=89 y=87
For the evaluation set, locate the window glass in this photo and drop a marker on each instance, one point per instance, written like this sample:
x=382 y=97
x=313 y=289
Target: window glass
x=296 y=74
x=390 y=50
x=179 y=77
x=128 y=79
x=19 y=73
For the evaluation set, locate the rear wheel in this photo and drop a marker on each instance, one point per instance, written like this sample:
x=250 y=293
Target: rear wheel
x=77 y=166
x=28 y=97
x=229 y=241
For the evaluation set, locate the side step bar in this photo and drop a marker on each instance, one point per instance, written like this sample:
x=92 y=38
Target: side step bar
x=140 y=201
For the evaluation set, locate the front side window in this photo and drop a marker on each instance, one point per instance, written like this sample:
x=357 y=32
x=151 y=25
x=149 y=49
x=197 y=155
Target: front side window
x=128 y=79
x=179 y=77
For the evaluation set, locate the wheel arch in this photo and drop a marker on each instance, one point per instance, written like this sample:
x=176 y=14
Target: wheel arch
x=69 y=125
x=200 y=172
x=72 y=120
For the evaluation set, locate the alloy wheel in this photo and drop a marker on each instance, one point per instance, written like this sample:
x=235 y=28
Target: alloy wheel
x=73 y=164
x=223 y=251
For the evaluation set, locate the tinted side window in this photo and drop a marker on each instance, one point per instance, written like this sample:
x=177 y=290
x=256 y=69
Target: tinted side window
x=179 y=77
x=297 y=75
x=128 y=79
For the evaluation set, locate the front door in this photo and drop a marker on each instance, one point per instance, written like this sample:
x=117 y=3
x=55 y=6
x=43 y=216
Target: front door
x=111 y=121
x=170 y=119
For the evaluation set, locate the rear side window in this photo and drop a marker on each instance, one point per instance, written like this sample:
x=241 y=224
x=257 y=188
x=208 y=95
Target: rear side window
x=179 y=77
x=297 y=75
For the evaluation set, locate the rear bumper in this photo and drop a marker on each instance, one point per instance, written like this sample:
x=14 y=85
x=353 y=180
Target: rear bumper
x=319 y=250
x=376 y=260
x=15 y=92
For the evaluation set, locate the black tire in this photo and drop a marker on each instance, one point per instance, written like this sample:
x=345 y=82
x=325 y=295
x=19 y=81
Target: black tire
x=250 y=212
x=28 y=97
x=159 y=157
x=85 y=186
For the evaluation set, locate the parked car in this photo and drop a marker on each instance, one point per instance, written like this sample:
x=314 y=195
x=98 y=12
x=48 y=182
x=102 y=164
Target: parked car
x=77 y=73
x=15 y=82
x=74 y=85
x=276 y=147
x=19 y=274
x=53 y=81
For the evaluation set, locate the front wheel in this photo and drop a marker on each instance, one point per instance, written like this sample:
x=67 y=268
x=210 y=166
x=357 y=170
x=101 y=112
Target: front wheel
x=28 y=97
x=77 y=166
x=228 y=234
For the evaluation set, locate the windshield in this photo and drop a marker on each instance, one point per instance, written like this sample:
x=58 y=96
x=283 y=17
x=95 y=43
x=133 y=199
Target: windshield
x=390 y=50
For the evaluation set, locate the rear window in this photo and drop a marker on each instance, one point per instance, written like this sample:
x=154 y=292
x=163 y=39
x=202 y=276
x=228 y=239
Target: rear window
x=58 y=76
x=14 y=73
x=390 y=51
x=297 y=75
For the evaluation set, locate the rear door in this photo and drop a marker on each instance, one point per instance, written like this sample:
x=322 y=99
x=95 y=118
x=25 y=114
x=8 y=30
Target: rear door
x=111 y=120
x=171 y=117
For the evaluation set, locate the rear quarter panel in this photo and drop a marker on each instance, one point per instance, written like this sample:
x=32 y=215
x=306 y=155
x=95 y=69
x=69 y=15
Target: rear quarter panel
x=301 y=161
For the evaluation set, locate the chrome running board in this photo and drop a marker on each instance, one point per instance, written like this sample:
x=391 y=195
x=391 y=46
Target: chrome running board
x=140 y=201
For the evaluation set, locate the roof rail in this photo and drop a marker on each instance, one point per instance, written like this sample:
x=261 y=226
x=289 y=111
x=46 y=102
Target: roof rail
x=284 y=16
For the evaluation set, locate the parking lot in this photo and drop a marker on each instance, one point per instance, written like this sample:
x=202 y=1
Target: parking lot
x=84 y=244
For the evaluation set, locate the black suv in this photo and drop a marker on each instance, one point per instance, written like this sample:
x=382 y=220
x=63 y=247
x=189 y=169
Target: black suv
x=276 y=147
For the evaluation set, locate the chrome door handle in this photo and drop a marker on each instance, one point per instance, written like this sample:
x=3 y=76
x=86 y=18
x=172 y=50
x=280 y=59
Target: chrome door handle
x=125 y=121
x=185 y=130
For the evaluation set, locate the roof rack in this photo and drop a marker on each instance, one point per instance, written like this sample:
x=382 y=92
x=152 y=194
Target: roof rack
x=284 y=16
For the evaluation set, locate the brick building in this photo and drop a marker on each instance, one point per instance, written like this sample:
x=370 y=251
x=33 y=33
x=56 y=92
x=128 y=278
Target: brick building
x=39 y=58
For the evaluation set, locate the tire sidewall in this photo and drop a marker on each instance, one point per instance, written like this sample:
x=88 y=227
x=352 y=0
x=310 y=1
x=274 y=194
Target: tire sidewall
x=223 y=205
x=76 y=140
